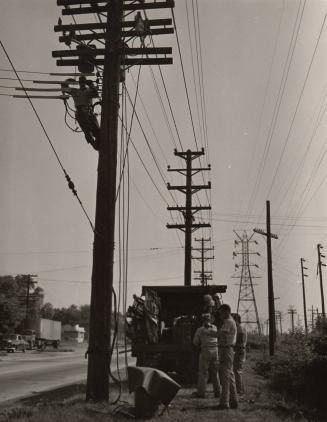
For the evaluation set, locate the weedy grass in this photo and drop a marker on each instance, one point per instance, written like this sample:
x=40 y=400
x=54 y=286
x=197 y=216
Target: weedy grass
x=68 y=405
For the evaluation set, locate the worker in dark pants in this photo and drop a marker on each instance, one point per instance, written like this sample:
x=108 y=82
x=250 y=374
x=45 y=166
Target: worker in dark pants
x=83 y=100
x=208 y=359
x=226 y=340
x=240 y=354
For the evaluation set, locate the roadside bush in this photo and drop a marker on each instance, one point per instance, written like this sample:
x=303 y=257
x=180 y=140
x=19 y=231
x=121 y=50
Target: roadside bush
x=299 y=369
x=256 y=342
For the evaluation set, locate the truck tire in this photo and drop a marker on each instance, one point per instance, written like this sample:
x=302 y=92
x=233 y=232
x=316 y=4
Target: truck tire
x=55 y=344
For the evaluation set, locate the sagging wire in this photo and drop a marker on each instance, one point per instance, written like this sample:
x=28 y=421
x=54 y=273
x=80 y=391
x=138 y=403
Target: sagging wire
x=114 y=339
x=70 y=183
x=130 y=129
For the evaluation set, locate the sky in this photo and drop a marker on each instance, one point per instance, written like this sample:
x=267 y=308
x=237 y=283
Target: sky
x=263 y=127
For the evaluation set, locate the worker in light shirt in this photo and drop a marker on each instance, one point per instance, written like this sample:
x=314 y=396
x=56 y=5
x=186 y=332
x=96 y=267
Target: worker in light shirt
x=226 y=341
x=208 y=358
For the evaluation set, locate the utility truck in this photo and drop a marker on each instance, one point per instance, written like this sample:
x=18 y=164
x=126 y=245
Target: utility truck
x=162 y=322
x=43 y=332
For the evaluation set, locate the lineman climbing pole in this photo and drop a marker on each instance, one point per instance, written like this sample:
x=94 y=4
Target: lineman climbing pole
x=271 y=300
x=204 y=275
x=189 y=210
x=246 y=304
x=114 y=61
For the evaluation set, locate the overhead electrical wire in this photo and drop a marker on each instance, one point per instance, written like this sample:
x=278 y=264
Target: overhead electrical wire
x=280 y=95
x=184 y=78
x=67 y=177
x=297 y=106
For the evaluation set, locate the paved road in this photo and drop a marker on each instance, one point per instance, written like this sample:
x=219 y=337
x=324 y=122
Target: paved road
x=23 y=374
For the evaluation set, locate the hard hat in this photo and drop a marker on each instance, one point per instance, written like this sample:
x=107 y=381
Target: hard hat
x=208 y=300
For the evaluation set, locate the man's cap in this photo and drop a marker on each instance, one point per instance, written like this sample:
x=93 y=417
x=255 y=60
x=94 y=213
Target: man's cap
x=225 y=307
x=208 y=300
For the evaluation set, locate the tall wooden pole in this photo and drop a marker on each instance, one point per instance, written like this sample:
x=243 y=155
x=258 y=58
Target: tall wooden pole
x=271 y=301
x=188 y=221
x=103 y=249
x=320 y=264
x=304 y=301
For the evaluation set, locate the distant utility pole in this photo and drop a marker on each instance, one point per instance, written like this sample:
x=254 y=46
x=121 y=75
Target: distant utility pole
x=320 y=264
x=116 y=33
x=189 y=210
x=312 y=311
x=246 y=304
x=30 y=283
x=204 y=275
x=291 y=311
x=271 y=302
x=303 y=291
x=278 y=315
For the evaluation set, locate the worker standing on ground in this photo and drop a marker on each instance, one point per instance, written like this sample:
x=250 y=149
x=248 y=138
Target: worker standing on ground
x=240 y=354
x=227 y=340
x=83 y=100
x=208 y=359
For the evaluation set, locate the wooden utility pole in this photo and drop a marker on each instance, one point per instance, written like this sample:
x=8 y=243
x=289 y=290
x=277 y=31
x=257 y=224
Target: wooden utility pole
x=303 y=291
x=189 y=210
x=29 y=283
x=292 y=312
x=312 y=311
x=115 y=60
x=204 y=275
x=320 y=264
x=278 y=317
x=271 y=301
x=103 y=247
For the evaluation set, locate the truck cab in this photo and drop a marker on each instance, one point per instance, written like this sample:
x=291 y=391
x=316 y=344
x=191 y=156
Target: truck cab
x=13 y=343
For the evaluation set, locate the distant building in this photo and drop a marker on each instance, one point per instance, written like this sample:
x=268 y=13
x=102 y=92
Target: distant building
x=73 y=333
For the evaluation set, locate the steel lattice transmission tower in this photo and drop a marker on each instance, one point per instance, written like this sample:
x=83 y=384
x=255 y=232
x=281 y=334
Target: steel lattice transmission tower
x=246 y=304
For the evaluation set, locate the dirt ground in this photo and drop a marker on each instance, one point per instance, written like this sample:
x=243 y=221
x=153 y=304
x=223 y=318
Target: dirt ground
x=67 y=404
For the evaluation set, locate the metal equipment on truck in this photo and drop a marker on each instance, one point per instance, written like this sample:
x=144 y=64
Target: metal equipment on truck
x=43 y=332
x=162 y=325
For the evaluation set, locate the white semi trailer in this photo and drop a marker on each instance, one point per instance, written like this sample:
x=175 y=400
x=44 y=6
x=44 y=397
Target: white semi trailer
x=43 y=332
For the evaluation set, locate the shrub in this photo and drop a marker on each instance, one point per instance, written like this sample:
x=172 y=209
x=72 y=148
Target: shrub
x=299 y=369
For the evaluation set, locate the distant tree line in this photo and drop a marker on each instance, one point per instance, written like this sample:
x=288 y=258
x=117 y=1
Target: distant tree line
x=15 y=314
x=17 y=304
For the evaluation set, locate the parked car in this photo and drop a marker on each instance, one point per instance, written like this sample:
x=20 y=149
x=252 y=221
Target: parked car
x=13 y=343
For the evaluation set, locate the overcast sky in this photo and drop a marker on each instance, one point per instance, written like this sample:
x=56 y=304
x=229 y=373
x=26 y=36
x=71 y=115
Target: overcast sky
x=265 y=73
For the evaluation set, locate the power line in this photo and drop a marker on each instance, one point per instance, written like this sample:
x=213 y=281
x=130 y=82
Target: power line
x=67 y=177
x=184 y=78
x=297 y=105
x=281 y=90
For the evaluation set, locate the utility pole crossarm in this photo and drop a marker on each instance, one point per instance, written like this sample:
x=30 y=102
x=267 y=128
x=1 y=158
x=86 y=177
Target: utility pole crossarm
x=125 y=6
x=183 y=226
x=102 y=25
x=192 y=208
x=274 y=236
x=195 y=188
